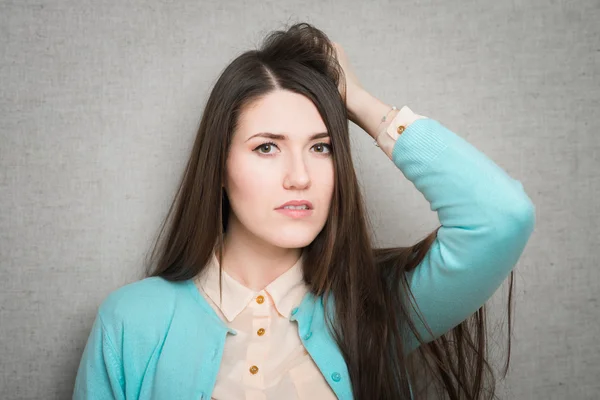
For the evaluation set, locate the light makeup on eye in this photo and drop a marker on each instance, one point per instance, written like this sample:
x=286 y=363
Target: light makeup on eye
x=263 y=145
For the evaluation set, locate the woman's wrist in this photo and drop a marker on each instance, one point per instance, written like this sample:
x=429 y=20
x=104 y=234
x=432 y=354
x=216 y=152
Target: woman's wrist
x=367 y=111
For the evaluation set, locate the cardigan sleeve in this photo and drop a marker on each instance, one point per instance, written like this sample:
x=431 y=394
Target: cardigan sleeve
x=100 y=373
x=486 y=220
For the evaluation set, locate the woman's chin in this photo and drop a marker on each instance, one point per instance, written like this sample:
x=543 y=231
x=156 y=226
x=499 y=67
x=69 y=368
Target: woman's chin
x=293 y=241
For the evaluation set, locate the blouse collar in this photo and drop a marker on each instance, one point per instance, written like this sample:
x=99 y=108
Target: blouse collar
x=286 y=291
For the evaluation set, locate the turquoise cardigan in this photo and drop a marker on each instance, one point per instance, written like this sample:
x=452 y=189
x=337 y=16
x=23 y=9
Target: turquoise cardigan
x=155 y=339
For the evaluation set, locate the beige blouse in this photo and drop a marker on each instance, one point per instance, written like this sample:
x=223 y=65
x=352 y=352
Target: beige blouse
x=266 y=359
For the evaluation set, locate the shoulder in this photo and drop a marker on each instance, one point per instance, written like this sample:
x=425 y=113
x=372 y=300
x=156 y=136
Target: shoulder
x=150 y=301
x=135 y=319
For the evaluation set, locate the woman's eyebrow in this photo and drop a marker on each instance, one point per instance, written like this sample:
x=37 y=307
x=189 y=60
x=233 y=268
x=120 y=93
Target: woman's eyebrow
x=280 y=136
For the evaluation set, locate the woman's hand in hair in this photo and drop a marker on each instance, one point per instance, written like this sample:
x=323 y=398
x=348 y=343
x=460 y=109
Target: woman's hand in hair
x=364 y=109
x=354 y=88
x=351 y=80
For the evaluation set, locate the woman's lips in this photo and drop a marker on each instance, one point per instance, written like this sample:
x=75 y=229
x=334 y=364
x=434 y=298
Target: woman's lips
x=296 y=203
x=295 y=213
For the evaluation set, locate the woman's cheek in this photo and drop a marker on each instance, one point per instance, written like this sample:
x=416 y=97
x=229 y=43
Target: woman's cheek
x=252 y=182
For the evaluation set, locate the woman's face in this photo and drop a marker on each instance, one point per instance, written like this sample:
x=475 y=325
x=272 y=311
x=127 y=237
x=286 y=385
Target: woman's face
x=263 y=172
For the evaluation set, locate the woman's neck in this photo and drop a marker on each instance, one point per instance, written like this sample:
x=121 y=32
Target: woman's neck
x=252 y=261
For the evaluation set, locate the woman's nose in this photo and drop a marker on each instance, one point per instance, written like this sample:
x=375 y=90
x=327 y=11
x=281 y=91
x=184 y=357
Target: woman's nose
x=297 y=174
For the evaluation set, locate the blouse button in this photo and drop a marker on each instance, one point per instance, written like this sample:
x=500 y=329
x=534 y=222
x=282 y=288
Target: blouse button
x=260 y=332
x=260 y=299
x=253 y=369
x=400 y=129
x=307 y=336
x=336 y=376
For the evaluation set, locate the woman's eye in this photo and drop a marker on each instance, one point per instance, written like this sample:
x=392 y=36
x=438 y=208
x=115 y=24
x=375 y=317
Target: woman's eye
x=321 y=146
x=266 y=146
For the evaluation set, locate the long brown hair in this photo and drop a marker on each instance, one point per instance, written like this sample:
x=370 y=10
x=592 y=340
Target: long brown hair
x=368 y=285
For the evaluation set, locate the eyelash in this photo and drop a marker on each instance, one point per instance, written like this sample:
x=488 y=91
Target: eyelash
x=274 y=144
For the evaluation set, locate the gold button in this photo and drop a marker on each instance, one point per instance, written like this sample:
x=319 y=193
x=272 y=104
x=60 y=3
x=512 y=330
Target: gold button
x=253 y=369
x=400 y=129
x=260 y=332
x=260 y=299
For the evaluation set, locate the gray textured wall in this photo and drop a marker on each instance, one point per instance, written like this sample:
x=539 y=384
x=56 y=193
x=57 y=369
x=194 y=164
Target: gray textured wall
x=100 y=100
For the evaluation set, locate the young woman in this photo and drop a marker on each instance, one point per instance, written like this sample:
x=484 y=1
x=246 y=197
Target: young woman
x=266 y=284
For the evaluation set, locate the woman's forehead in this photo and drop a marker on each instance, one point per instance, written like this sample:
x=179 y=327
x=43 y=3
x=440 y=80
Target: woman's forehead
x=281 y=112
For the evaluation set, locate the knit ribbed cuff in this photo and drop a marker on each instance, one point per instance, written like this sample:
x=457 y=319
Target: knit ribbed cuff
x=419 y=145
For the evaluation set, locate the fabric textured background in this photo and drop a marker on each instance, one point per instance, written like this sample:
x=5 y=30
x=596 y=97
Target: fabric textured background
x=100 y=103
